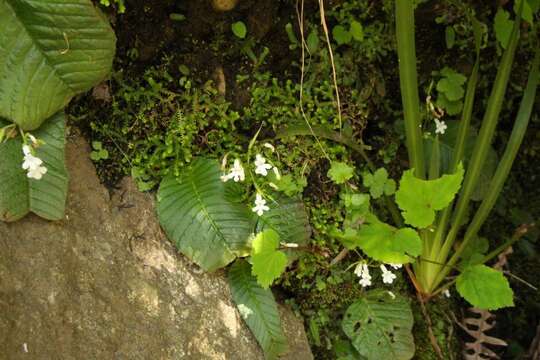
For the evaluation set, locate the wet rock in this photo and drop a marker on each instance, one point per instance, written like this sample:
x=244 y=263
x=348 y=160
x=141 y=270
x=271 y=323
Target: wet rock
x=104 y=283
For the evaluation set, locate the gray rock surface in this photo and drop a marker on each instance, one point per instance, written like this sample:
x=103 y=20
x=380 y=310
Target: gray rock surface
x=106 y=284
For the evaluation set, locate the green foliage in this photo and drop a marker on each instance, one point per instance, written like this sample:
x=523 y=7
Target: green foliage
x=419 y=199
x=68 y=48
x=484 y=287
x=20 y=195
x=239 y=29
x=379 y=326
x=340 y=172
x=379 y=183
x=98 y=152
x=288 y=217
x=341 y=35
x=268 y=263
x=258 y=309
x=387 y=244
x=198 y=217
x=450 y=91
x=503 y=27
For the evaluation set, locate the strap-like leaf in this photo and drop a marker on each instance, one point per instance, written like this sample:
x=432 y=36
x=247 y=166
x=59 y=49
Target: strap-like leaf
x=258 y=309
x=199 y=218
x=50 y=50
x=45 y=197
x=379 y=326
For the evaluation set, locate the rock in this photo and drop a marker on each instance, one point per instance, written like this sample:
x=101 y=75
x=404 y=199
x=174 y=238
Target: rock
x=105 y=283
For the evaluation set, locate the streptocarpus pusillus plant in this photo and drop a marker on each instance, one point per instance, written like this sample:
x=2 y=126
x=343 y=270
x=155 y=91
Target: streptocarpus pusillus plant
x=49 y=52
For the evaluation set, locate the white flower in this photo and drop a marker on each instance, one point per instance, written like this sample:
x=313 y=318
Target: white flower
x=289 y=245
x=388 y=276
x=446 y=293
x=32 y=138
x=365 y=281
x=362 y=271
x=260 y=205
x=261 y=167
x=32 y=164
x=395 y=266
x=269 y=146
x=37 y=173
x=440 y=127
x=244 y=311
x=237 y=173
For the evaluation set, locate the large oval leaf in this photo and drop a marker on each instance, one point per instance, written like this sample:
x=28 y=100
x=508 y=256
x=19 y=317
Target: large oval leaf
x=20 y=195
x=379 y=326
x=200 y=219
x=258 y=309
x=50 y=50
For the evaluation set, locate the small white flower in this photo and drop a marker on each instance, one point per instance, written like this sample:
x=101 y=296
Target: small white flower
x=245 y=311
x=32 y=164
x=365 y=281
x=391 y=295
x=289 y=245
x=237 y=173
x=395 y=266
x=446 y=293
x=276 y=172
x=388 y=276
x=269 y=146
x=362 y=271
x=440 y=127
x=37 y=173
x=358 y=270
x=32 y=138
x=260 y=205
x=261 y=167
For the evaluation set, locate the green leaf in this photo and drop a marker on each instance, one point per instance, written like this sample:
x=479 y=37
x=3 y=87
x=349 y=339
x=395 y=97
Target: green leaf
x=340 y=172
x=526 y=12
x=451 y=85
x=341 y=35
x=357 y=31
x=239 y=29
x=450 y=37
x=200 y=219
x=313 y=41
x=289 y=186
x=378 y=183
x=451 y=107
x=503 y=27
x=419 y=199
x=49 y=52
x=484 y=288
x=267 y=261
x=380 y=326
x=258 y=309
x=387 y=244
x=288 y=217
x=46 y=197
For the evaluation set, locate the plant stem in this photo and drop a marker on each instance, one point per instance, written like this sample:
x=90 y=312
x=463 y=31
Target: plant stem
x=409 y=84
x=505 y=164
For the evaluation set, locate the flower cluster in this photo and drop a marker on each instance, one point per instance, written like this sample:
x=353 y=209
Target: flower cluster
x=362 y=271
x=32 y=164
x=237 y=173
